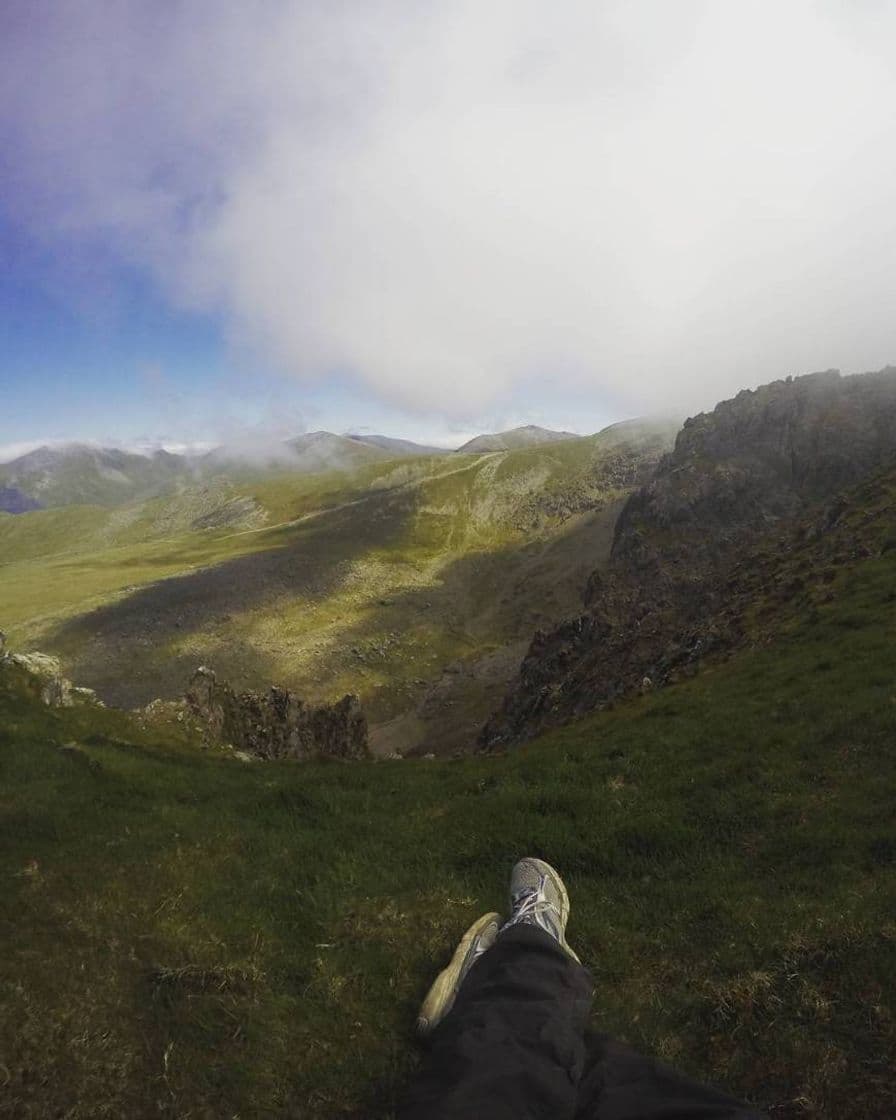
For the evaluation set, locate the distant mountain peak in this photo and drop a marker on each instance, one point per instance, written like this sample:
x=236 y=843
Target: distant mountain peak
x=530 y=435
x=82 y=473
x=395 y=446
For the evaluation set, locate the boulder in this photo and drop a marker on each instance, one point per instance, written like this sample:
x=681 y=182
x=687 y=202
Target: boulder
x=45 y=672
x=41 y=673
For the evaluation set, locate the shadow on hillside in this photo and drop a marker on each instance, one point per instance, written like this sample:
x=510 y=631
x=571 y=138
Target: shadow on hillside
x=312 y=562
x=479 y=622
x=451 y=647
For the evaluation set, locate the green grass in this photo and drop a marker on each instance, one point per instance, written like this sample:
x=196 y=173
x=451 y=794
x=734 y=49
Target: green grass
x=187 y=935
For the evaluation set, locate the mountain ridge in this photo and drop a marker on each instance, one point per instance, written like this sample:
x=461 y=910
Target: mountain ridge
x=79 y=473
x=737 y=478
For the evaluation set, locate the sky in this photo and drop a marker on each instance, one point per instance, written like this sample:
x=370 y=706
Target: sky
x=221 y=217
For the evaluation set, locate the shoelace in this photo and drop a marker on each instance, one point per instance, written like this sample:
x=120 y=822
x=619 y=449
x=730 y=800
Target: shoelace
x=532 y=904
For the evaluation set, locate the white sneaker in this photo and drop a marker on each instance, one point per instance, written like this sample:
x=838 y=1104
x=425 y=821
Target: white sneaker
x=538 y=897
x=478 y=939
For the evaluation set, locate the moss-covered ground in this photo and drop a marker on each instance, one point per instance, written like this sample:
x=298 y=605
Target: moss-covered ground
x=190 y=936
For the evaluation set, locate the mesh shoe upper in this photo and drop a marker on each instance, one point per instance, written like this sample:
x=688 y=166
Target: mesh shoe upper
x=538 y=897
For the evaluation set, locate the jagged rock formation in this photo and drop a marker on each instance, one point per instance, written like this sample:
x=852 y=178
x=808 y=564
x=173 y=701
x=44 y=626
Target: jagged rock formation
x=278 y=724
x=738 y=477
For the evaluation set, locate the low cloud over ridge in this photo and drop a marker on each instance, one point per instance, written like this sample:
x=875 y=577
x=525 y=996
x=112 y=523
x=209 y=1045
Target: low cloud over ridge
x=463 y=203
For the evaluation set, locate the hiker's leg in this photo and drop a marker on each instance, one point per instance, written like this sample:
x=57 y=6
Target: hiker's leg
x=512 y=1047
x=620 y=1084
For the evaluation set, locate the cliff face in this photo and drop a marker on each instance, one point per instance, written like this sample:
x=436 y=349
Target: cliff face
x=277 y=724
x=738 y=476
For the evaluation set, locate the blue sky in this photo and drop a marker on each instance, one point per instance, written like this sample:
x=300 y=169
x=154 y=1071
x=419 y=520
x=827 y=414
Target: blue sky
x=92 y=350
x=430 y=220
x=83 y=338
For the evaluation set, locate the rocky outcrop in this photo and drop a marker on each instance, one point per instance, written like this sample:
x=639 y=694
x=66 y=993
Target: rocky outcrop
x=276 y=724
x=41 y=674
x=742 y=475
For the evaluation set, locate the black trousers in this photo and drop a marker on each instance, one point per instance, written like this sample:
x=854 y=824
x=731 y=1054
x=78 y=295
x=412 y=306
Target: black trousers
x=513 y=1048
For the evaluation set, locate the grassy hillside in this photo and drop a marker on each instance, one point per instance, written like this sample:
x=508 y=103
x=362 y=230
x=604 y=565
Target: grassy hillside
x=415 y=583
x=188 y=935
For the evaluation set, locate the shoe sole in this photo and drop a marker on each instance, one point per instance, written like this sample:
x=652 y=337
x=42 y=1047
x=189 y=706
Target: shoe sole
x=440 y=998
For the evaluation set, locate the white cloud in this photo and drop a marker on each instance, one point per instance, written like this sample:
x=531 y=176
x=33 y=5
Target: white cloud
x=10 y=451
x=466 y=204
